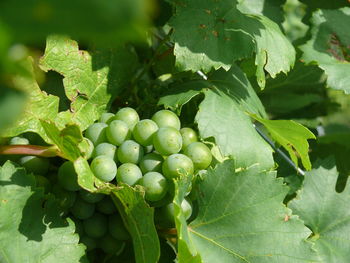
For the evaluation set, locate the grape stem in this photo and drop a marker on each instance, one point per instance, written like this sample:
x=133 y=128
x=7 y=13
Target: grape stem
x=43 y=151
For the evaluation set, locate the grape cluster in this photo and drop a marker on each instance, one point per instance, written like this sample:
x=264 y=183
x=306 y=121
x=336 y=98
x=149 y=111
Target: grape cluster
x=122 y=149
x=148 y=152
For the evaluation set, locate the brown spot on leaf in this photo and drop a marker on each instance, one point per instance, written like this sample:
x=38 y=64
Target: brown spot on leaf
x=215 y=33
x=202 y=26
x=338 y=50
x=207 y=11
x=286 y=218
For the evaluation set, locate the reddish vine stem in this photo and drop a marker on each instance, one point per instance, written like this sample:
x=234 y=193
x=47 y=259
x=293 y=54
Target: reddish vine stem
x=43 y=151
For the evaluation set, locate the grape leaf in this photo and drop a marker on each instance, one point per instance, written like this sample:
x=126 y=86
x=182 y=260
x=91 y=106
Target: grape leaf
x=91 y=80
x=215 y=34
x=180 y=95
x=186 y=249
x=85 y=175
x=31 y=229
x=252 y=225
x=222 y=115
x=325 y=212
x=329 y=46
x=138 y=218
x=66 y=140
x=292 y=136
x=39 y=106
x=96 y=21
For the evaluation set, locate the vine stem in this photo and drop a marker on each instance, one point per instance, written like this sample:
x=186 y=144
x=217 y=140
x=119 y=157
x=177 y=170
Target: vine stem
x=43 y=151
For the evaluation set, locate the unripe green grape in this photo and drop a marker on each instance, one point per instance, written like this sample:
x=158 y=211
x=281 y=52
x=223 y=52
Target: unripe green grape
x=106 y=117
x=34 y=164
x=155 y=184
x=66 y=199
x=116 y=227
x=89 y=242
x=118 y=132
x=200 y=155
x=42 y=181
x=130 y=152
x=104 y=168
x=96 y=133
x=81 y=209
x=129 y=116
x=90 y=197
x=188 y=136
x=96 y=225
x=166 y=118
x=186 y=207
x=106 y=149
x=34 y=138
x=128 y=173
x=177 y=165
x=167 y=141
x=143 y=131
x=106 y=206
x=67 y=177
x=151 y=162
x=111 y=245
x=18 y=141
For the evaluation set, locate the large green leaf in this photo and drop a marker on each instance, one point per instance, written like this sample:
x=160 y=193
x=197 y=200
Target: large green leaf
x=251 y=225
x=222 y=115
x=292 y=136
x=31 y=229
x=40 y=106
x=211 y=34
x=325 y=212
x=138 y=218
x=329 y=46
x=91 y=80
x=94 y=21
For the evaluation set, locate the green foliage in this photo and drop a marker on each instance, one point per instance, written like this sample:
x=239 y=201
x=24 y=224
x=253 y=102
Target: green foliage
x=138 y=217
x=329 y=46
x=250 y=226
x=39 y=106
x=23 y=205
x=325 y=212
x=228 y=121
x=91 y=80
x=192 y=71
x=86 y=20
x=292 y=136
x=221 y=26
